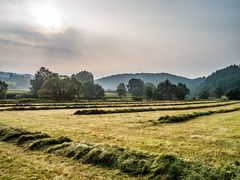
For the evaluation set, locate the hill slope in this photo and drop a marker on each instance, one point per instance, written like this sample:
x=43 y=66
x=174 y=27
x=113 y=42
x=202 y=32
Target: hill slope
x=226 y=78
x=111 y=82
x=16 y=81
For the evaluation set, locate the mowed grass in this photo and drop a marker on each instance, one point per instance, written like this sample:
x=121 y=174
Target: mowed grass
x=16 y=163
x=212 y=139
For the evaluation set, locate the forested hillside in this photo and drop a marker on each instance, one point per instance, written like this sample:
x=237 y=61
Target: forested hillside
x=223 y=79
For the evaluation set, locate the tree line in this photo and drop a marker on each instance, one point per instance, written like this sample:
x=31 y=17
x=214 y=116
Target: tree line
x=163 y=91
x=49 y=85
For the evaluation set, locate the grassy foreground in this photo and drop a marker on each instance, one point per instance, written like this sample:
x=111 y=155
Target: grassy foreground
x=135 y=163
x=213 y=140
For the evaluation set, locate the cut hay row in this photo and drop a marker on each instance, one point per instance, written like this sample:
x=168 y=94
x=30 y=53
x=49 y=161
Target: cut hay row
x=100 y=111
x=163 y=166
x=187 y=117
x=83 y=106
x=107 y=103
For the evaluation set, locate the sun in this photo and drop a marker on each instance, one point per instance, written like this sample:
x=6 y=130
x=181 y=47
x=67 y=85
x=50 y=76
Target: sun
x=48 y=18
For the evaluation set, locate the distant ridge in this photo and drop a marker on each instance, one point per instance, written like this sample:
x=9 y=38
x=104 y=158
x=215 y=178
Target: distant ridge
x=111 y=82
x=16 y=81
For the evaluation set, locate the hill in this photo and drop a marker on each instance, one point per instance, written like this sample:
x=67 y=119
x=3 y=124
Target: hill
x=16 y=81
x=111 y=82
x=226 y=78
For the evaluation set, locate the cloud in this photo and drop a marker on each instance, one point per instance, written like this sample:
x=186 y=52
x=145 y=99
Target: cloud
x=186 y=37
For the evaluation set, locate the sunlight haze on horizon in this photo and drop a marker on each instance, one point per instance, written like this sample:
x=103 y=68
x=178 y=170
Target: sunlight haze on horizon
x=189 y=38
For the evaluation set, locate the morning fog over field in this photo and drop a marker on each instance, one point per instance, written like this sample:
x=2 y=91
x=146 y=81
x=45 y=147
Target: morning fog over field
x=120 y=89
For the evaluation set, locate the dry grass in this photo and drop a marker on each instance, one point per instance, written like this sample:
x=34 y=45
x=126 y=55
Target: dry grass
x=15 y=163
x=214 y=139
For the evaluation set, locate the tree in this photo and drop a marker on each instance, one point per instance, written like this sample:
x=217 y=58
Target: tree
x=165 y=91
x=98 y=91
x=88 y=90
x=204 y=94
x=41 y=75
x=136 y=88
x=59 y=88
x=182 y=91
x=233 y=94
x=83 y=77
x=149 y=90
x=78 y=87
x=218 y=92
x=3 y=89
x=121 y=90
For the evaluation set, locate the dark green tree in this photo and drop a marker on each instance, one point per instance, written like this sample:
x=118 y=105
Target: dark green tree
x=218 y=92
x=182 y=91
x=41 y=75
x=121 y=90
x=136 y=88
x=98 y=91
x=88 y=90
x=233 y=94
x=204 y=94
x=165 y=91
x=83 y=77
x=3 y=89
x=149 y=90
x=59 y=88
x=77 y=87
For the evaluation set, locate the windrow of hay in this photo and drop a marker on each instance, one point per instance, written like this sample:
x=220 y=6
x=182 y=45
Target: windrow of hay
x=100 y=111
x=48 y=142
x=36 y=140
x=106 y=103
x=24 y=138
x=136 y=163
x=27 y=107
x=187 y=117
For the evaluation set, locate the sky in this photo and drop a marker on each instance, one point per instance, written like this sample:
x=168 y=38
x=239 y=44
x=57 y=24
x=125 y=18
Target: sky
x=190 y=38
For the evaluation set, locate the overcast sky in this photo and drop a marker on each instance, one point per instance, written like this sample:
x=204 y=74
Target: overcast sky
x=191 y=38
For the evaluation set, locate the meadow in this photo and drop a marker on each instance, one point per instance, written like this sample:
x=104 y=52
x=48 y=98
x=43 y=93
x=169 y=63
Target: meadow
x=201 y=140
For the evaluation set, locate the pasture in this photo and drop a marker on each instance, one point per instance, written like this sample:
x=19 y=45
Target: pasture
x=123 y=145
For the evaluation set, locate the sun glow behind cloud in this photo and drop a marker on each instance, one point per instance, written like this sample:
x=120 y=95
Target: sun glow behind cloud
x=187 y=38
x=48 y=18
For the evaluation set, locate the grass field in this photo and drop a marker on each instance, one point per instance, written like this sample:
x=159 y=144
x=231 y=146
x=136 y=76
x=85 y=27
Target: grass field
x=212 y=140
